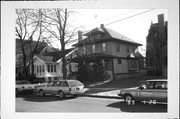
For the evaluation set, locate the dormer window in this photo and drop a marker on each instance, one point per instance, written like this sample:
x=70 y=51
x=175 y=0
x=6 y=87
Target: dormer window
x=94 y=36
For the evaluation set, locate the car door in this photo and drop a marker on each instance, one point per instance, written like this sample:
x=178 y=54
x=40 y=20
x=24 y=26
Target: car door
x=145 y=93
x=48 y=89
x=65 y=87
x=60 y=85
x=55 y=88
x=160 y=91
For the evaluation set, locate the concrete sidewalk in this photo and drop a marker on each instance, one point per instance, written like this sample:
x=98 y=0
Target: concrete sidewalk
x=104 y=93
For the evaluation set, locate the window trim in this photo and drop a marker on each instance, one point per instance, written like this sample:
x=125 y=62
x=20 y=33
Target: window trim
x=104 y=47
x=93 y=47
x=119 y=59
x=130 y=65
x=84 y=50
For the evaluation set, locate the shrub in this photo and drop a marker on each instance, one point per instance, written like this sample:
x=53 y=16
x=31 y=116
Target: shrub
x=91 y=73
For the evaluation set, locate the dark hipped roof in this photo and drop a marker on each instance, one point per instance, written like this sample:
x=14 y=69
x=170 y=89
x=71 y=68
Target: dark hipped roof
x=58 y=54
x=112 y=35
x=91 y=57
x=47 y=59
x=41 y=46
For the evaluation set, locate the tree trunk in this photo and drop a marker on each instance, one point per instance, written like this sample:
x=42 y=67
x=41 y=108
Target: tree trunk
x=24 y=59
x=64 y=70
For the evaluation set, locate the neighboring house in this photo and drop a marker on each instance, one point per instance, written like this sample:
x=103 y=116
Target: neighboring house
x=42 y=48
x=114 y=50
x=156 y=54
x=49 y=66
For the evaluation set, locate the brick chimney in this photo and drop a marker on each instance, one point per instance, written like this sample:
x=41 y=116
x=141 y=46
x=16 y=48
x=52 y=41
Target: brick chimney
x=161 y=26
x=79 y=35
x=161 y=19
x=102 y=26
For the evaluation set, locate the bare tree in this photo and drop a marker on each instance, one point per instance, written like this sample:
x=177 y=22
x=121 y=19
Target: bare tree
x=29 y=25
x=61 y=29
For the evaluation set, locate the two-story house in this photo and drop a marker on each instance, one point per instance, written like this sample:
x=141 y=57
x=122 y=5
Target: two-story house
x=115 y=51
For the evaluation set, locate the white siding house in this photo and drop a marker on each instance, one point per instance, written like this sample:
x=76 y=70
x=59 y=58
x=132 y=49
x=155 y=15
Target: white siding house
x=49 y=69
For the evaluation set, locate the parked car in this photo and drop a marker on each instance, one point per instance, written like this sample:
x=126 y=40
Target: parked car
x=62 y=88
x=151 y=91
x=26 y=86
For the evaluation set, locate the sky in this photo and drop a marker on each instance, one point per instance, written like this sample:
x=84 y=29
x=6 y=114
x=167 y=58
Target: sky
x=128 y=22
x=133 y=26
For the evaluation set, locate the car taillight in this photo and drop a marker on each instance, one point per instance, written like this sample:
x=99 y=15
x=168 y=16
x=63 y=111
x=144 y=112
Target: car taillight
x=69 y=89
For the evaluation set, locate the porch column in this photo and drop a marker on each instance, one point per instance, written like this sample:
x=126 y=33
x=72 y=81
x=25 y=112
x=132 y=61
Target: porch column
x=103 y=62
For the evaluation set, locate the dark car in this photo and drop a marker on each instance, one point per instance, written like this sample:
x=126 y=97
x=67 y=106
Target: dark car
x=151 y=91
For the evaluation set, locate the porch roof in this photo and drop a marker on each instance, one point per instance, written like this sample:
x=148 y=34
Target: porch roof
x=92 y=57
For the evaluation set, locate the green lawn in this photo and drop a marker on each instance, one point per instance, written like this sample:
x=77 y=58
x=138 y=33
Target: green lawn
x=126 y=82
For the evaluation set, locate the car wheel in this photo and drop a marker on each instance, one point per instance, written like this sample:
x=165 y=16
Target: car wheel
x=61 y=94
x=129 y=99
x=17 y=91
x=41 y=93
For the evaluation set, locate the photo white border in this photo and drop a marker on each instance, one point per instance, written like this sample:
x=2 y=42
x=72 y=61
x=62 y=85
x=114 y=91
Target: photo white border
x=8 y=55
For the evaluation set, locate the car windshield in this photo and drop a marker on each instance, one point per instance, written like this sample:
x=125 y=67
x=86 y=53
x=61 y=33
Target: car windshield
x=23 y=82
x=75 y=83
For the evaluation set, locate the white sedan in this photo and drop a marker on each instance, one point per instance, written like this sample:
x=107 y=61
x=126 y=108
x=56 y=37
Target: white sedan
x=24 y=85
x=62 y=88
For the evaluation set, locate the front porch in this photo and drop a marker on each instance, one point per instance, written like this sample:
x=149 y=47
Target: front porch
x=89 y=60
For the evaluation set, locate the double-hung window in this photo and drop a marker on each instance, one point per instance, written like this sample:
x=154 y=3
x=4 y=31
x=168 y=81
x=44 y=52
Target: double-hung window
x=93 y=48
x=104 y=48
x=84 y=49
x=133 y=64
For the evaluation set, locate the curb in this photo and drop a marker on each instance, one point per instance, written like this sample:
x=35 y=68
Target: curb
x=102 y=96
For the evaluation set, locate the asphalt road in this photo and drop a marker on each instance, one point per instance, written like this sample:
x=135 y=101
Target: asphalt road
x=35 y=103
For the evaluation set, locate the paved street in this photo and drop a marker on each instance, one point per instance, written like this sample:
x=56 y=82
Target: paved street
x=35 y=103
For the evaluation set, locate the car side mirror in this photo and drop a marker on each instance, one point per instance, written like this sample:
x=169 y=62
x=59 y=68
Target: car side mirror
x=142 y=87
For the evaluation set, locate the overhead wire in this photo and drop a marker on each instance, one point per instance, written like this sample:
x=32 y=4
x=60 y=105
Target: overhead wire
x=124 y=18
x=120 y=20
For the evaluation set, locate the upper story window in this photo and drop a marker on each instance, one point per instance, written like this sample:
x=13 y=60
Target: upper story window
x=119 y=61
x=127 y=49
x=93 y=48
x=84 y=49
x=104 y=48
x=91 y=37
x=118 y=47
